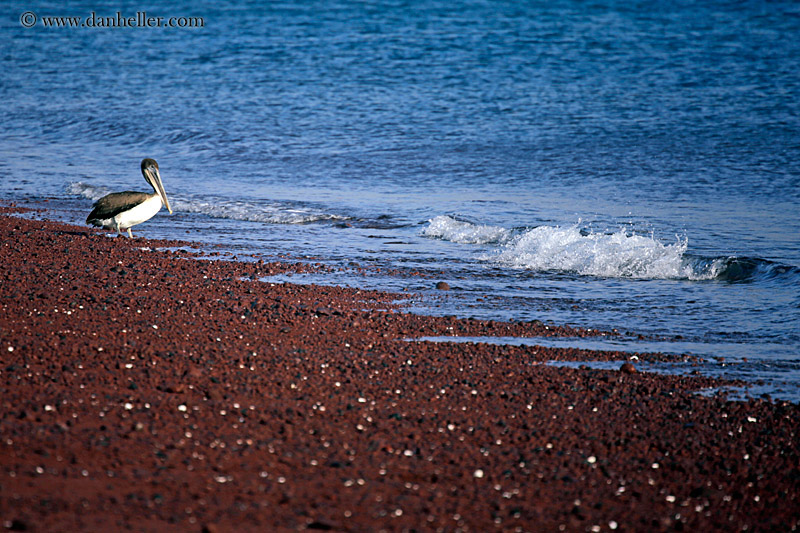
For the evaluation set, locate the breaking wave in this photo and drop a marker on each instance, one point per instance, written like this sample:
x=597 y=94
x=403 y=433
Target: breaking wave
x=620 y=254
x=616 y=255
x=463 y=232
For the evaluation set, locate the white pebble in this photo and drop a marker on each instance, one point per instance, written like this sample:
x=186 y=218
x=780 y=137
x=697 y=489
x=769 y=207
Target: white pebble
x=478 y=474
x=591 y=459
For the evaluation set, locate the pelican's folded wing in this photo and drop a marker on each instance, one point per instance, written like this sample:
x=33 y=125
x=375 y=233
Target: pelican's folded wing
x=113 y=204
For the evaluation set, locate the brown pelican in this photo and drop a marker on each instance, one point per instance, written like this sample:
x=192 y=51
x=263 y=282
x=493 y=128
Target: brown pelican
x=121 y=210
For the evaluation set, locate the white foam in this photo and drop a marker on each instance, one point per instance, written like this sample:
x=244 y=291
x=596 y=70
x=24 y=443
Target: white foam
x=271 y=213
x=450 y=229
x=615 y=255
x=87 y=191
x=620 y=254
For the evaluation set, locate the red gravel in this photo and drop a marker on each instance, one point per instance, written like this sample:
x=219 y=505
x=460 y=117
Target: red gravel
x=145 y=390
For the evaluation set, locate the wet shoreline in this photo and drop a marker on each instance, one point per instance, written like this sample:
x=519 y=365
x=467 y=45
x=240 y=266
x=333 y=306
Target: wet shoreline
x=149 y=389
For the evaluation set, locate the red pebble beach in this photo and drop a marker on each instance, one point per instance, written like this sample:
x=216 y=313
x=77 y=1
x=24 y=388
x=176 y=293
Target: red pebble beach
x=144 y=389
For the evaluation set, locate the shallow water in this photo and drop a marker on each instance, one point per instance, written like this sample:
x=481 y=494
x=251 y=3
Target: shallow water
x=614 y=167
x=775 y=377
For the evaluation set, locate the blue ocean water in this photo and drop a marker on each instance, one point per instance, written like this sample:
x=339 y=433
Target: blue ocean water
x=611 y=165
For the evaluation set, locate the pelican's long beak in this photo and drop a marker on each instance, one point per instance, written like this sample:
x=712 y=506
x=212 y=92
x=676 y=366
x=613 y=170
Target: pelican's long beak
x=154 y=177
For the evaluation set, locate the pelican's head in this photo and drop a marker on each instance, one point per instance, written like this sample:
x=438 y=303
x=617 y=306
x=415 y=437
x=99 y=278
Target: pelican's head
x=153 y=177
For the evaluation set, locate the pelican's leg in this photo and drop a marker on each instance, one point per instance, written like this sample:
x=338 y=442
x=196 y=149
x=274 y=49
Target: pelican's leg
x=119 y=230
x=130 y=235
